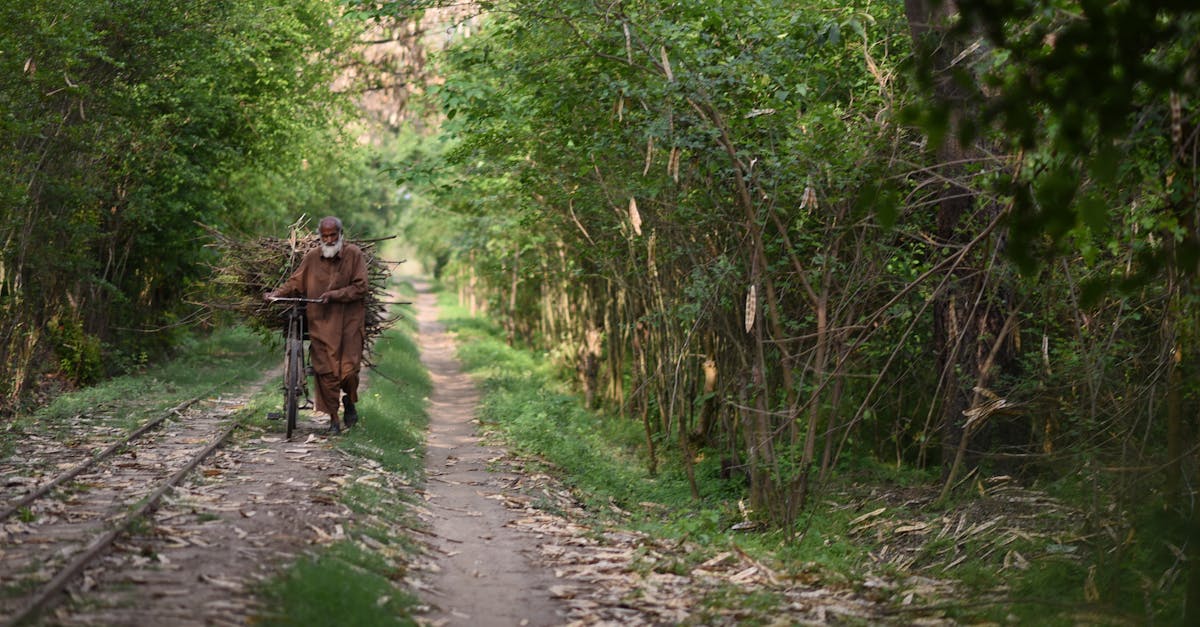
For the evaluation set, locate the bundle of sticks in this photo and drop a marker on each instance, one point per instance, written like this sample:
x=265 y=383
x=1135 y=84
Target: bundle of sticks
x=250 y=268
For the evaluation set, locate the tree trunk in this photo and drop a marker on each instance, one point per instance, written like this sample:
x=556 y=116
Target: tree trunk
x=969 y=308
x=511 y=318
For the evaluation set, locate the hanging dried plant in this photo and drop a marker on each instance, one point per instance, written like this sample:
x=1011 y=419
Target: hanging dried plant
x=666 y=63
x=628 y=43
x=649 y=154
x=751 y=307
x=809 y=200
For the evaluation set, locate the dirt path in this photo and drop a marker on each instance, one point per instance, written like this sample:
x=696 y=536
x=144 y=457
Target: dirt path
x=485 y=571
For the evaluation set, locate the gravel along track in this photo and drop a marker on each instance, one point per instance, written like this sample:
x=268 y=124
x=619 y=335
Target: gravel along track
x=117 y=544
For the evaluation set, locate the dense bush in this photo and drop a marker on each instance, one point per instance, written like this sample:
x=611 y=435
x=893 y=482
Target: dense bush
x=779 y=234
x=124 y=125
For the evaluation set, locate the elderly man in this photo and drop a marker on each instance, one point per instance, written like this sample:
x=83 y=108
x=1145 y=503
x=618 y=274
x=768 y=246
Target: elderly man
x=336 y=273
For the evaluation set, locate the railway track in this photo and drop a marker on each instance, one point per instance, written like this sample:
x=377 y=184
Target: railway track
x=52 y=532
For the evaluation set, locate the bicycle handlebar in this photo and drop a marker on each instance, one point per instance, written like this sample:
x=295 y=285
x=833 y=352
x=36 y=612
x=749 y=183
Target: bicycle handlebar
x=286 y=299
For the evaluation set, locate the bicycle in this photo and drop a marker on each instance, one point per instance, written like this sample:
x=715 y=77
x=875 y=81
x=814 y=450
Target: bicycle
x=295 y=377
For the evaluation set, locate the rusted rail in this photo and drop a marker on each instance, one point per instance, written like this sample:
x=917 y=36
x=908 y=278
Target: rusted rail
x=39 y=600
x=45 y=488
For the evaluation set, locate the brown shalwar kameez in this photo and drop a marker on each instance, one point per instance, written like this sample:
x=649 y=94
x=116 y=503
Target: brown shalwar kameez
x=336 y=328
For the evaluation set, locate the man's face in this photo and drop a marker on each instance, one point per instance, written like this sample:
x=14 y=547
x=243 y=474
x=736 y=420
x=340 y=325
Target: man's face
x=331 y=240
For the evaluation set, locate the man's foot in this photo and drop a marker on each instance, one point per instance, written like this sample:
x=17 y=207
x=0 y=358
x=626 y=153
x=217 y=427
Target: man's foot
x=351 y=414
x=334 y=427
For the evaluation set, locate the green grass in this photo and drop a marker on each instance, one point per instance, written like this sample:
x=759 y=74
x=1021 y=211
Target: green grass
x=340 y=586
x=227 y=358
x=347 y=583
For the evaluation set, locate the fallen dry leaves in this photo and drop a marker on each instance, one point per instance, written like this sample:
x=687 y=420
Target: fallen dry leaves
x=985 y=530
x=619 y=576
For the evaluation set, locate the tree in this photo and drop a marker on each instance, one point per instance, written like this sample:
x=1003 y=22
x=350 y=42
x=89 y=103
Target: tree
x=1096 y=102
x=125 y=125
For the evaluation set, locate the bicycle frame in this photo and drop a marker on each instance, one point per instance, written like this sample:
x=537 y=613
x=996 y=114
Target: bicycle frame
x=295 y=379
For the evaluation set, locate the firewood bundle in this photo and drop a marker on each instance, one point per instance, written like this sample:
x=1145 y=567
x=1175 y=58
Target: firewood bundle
x=248 y=268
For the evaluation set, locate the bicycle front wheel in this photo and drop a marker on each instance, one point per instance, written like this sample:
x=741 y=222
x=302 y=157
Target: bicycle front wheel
x=293 y=383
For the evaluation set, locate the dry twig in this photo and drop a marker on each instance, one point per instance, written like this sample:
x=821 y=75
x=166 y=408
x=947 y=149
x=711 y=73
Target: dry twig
x=251 y=267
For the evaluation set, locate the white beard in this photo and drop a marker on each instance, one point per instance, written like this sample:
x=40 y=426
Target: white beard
x=332 y=250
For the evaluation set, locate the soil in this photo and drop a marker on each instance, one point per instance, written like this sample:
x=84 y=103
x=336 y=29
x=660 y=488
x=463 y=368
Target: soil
x=484 y=571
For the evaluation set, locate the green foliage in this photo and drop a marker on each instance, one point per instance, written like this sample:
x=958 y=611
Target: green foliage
x=124 y=126
x=78 y=353
x=1078 y=88
x=724 y=126
x=1098 y=103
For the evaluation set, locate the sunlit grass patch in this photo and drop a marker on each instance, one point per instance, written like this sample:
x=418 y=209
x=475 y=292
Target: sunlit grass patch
x=340 y=586
x=226 y=359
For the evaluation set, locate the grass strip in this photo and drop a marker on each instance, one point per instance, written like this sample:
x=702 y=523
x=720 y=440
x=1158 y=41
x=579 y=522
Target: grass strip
x=358 y=581
x=204 y=365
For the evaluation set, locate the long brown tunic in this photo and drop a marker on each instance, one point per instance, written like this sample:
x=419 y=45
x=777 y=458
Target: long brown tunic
x=336 y=328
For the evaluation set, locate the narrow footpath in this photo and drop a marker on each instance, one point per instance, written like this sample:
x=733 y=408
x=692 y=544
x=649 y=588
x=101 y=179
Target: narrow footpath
x=485 y=571
x=498 y=556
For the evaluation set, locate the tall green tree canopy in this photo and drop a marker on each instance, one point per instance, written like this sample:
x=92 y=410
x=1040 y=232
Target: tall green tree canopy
x=122 y=125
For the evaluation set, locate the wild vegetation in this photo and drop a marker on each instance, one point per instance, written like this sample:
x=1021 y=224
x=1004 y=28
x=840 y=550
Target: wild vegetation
x=781 y=241
x=947 y=236
x=124 y=127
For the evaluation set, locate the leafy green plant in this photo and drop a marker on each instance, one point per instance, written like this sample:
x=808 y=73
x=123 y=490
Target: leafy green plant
x=78 y=353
